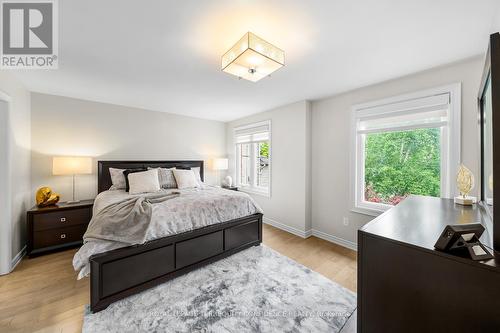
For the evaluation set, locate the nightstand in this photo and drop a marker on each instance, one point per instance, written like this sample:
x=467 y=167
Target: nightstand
x=232 y=188
x=57 y=227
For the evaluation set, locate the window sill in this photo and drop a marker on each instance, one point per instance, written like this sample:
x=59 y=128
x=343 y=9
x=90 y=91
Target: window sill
x=255 y=191
x=370 y=210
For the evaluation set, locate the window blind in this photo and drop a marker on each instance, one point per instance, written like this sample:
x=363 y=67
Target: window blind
x=431 y=111
x=248 y=134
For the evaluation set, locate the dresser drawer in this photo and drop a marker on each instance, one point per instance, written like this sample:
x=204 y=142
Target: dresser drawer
x=62 y=218
x=53 y=237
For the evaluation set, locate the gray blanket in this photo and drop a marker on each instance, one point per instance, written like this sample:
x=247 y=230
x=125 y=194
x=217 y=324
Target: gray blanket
x=126 y=221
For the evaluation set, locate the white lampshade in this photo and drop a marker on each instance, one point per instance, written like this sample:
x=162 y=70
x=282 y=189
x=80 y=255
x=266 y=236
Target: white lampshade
x=220 y=164
x=71 y=166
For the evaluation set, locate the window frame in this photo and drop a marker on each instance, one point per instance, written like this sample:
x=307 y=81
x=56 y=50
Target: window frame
x=450 y=138
x=253 y=188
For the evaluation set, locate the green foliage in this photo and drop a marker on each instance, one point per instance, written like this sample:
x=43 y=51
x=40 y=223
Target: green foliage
x=402 y=163
x=264 y=149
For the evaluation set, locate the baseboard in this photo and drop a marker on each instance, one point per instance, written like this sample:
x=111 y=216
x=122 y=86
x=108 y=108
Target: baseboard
x=312 y=232
x=17 y=258
x=334 y=239
x=284 y=227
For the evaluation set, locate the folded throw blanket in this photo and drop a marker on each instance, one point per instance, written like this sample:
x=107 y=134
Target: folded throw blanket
x=126 y=221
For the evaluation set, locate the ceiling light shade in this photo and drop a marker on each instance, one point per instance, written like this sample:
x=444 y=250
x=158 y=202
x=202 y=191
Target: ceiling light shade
x=252 y=58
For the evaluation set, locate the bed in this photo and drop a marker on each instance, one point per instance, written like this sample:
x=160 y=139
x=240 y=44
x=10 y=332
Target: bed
x=125 y=271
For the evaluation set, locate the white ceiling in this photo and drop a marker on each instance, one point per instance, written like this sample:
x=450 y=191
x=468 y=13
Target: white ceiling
x=165 y=55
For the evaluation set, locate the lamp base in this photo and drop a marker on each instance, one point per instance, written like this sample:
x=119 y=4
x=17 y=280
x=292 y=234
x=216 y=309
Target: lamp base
x=465 y=201
x=73 y=201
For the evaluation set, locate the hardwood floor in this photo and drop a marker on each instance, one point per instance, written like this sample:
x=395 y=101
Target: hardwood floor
x=43 y=295
x=333 y=261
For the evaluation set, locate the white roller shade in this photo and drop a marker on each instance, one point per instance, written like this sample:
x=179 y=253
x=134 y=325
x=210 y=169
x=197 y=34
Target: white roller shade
x=431 y=111
x=259 y=132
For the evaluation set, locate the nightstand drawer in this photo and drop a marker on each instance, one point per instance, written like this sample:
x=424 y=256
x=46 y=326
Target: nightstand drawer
x=52 y=237
x=62 y=218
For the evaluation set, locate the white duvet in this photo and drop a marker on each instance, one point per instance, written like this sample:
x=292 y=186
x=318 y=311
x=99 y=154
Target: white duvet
x=192 y=209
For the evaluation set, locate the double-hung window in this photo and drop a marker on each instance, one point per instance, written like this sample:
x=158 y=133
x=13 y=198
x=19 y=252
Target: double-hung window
x=405 y=145
x=253 y=157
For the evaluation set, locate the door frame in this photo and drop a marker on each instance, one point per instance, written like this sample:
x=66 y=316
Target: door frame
x=5 y=187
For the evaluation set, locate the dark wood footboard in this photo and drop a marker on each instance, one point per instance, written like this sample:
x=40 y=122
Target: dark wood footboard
x=123 y=272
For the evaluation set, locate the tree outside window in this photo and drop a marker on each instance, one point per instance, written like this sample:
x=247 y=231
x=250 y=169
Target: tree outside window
x=401 y=163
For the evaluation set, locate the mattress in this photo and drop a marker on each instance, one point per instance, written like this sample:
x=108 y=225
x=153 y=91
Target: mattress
x=192 y=209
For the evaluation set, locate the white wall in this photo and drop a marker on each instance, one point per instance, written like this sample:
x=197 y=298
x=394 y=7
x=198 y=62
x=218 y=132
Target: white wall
x=16 y=129
x=290 y=166
x=67 y=126
x=495 y=26
x=331 y=126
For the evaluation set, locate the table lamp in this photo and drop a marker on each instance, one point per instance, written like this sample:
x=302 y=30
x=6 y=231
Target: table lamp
x=220 y=164
x=64 y=166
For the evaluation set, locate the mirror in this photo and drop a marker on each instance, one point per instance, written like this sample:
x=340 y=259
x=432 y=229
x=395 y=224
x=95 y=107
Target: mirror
x=487 y=145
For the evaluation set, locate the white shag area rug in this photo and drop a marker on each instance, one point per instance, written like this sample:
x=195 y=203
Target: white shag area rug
x=256 y=290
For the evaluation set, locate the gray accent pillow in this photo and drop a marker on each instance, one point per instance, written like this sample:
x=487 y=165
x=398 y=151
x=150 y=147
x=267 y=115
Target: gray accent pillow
x=117 y=179
x=166 y=177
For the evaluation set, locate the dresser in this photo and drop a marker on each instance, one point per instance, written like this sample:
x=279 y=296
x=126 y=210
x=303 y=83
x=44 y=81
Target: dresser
x=404 y=285
x=57 y=227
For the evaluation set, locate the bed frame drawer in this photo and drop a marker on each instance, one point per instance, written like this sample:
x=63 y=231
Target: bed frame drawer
x=194 y=250
x=120 y=273
x=61 y=219
x=241 y=235
x=128 y=272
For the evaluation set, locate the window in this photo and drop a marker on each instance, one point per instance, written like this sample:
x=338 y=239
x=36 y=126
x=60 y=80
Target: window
x=253 y=157
x=405 y=145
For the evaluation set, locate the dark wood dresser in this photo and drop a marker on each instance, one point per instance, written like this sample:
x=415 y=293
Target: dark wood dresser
x=57 y=227
x=404 y=285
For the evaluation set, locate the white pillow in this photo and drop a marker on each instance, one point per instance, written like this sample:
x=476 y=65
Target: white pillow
x=144 y=182
x=197 y=175
x=117 y=179
x=185 y=179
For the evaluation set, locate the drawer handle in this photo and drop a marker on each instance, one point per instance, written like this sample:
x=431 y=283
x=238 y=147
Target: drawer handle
x=63 y=219
x=63 y=236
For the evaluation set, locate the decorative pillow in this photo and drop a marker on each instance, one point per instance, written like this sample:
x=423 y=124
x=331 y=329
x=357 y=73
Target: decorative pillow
x=185 y=179
x=128 y=172
x=166 y=177
x=117 y=179
x=144 y=182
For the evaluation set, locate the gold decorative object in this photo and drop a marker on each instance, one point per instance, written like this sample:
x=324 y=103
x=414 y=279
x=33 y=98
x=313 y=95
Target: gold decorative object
x=465 y=180
x=465 y=183
x=45 y=197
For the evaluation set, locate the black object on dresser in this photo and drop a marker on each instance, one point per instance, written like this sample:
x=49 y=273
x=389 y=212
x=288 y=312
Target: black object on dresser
x=405 y=285
x=57 y=227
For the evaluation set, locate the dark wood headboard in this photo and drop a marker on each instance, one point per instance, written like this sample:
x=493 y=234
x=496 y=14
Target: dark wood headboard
x=104 y=178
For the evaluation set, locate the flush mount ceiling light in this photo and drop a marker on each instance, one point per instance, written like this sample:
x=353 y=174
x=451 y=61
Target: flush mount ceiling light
x=252 y=58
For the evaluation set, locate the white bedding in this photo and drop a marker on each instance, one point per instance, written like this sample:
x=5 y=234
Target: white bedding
x=192 y=209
